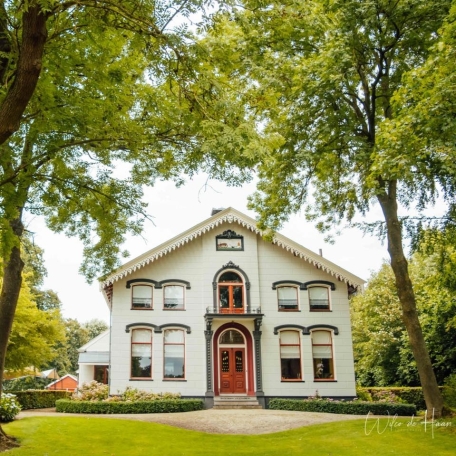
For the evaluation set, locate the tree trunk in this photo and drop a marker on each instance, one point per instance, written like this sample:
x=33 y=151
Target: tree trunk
x=12 y=281
x=28 y=70
x=432 y=395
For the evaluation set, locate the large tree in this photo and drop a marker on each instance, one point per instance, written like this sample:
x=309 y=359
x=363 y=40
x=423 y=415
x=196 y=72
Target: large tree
x=97 y=99
x=381 y=346
x=35 y=334
x=322 y=75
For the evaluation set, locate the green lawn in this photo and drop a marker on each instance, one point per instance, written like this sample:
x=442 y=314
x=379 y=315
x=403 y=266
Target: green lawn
x=99 y=436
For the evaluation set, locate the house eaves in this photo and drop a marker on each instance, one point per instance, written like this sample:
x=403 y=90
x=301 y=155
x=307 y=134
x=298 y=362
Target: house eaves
x=228 y=215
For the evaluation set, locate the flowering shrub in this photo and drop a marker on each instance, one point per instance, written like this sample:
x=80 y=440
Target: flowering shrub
x=92 y=391
x=386 y=396
x=9 y=407
x=133 y=395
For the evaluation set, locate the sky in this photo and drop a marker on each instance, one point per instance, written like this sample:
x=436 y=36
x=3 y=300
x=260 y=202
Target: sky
x=175 y=210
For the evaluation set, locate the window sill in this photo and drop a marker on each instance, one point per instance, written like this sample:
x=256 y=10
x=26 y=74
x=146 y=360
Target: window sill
x=320 y=310
x=291 y=381
x=289 y=310
x=140 y=308
x=140 y=379
x=320 y=380
x=174 y=380
x=173 y=310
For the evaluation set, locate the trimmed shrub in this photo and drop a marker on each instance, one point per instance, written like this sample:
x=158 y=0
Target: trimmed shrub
x=111 y=407
x=35 y=399
x=342 y=407
x=9 y=407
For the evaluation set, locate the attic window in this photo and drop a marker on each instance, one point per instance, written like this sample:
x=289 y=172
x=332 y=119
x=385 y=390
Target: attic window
x=229 y=241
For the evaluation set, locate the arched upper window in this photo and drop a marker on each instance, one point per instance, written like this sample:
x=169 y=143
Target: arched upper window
x=230 y=293
x=141 y=297
x=173 y=296
x=287 y=297
x=319 y=298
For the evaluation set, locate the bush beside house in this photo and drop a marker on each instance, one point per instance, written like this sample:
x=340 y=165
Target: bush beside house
x=343 y=407
x=93 y=397
x=111 y=407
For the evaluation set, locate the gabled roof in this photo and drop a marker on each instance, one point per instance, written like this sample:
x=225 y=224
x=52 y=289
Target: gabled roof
x=60 y=379
x=229 y=215
x=93 y=341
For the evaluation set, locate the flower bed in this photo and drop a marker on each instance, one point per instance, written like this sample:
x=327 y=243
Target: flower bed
x=93 y=398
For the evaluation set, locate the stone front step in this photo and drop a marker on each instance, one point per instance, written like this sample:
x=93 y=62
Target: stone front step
x=236 y=402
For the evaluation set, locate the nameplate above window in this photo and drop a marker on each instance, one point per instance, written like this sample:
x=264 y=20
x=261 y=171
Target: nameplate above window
x=230 y=241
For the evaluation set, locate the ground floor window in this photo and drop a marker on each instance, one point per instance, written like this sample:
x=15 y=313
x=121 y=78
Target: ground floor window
x=101 y=374
x=290 y=355
x=141 y=353
x=322 y=352
x=174 y=353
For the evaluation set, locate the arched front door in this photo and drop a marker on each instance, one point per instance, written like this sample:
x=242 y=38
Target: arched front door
x=232 y=362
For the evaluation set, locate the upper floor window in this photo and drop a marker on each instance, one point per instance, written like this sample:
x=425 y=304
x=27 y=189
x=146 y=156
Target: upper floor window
x=322 y=353
x=319 y=298
x=174 y=353
x=231 y=293
x=141 y=353
x=290 y=355
x=173 y=296
x=287 y=297
x=141 y=297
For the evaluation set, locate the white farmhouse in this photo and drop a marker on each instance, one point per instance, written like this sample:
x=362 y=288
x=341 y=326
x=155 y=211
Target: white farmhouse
x=220 y=314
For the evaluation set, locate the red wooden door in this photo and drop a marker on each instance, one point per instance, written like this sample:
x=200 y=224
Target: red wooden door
x=232 y=370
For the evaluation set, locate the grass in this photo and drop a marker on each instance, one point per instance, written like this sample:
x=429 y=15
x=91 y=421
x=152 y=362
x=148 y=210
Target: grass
x=46 y=436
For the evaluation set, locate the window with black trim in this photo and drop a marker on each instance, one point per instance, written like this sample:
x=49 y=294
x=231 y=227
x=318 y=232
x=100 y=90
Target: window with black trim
x=290 y=355
x=319 y=298
x=287 y=298
x=141 y=353
x=141 y=297
x=322 y=354
x=174 y=354
x=173 y=297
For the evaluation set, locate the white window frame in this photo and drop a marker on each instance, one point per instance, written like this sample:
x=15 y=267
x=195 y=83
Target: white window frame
x=285 y=285
x=328 y=290
x=165 y=344
x=151 y=307
x=299 y=344
x=316 y=374
x=183 y=297
x=136 y=328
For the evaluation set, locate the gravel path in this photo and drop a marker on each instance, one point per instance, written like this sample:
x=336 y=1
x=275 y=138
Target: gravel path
x=221 y=421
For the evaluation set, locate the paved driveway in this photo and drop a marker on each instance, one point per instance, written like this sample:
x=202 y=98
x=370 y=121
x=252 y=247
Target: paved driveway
x=220 y=421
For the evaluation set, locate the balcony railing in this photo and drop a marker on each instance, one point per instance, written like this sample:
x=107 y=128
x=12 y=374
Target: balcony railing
x=225 y=310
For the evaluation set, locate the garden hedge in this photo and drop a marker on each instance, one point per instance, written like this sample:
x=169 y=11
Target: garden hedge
x=349 y=407
x=35 y=399
x=157 y=406
x=410 y=395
